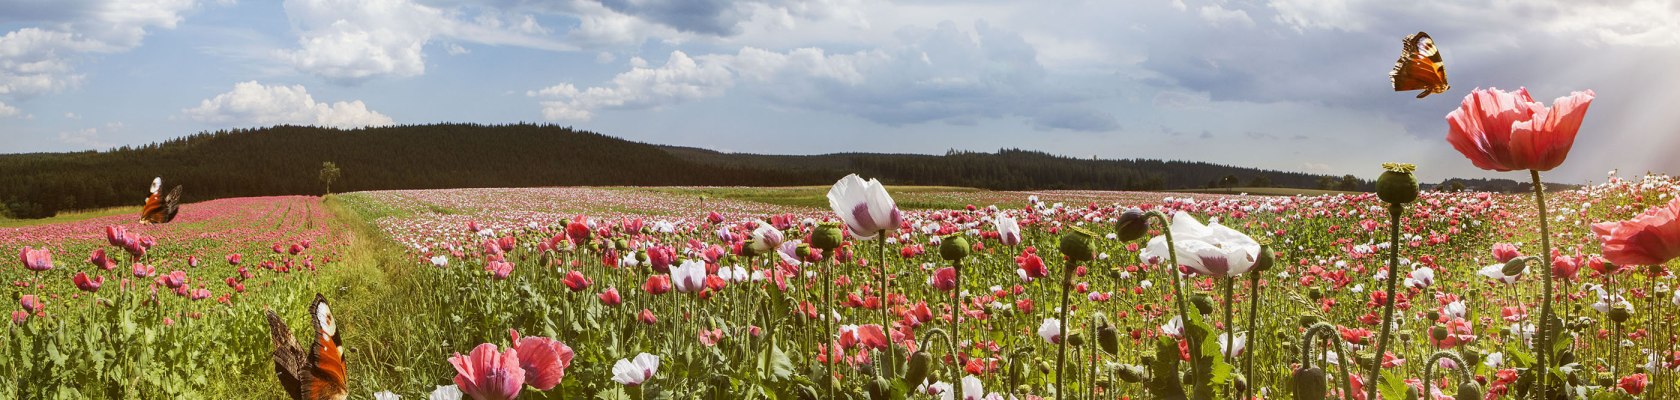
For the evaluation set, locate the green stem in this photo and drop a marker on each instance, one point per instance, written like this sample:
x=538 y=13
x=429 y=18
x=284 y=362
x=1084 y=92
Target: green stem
x=886 y=303
x=1253 y=341
x=1545 y=341
x=956 y=323
x=1061 y=335
x=828 y=327
x=1394 y=211
x=1230 y=334
x=1178 y=291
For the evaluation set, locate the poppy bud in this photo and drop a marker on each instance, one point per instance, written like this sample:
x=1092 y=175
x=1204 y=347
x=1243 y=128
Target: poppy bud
x=917 y=368
x=1397 y=185
x=1077 y=244
x=879 y=389
x=1131 y=225
x=1619 y=313
x=1309 y=383
x=953 y=248
x=1109 y=338
x=1076 y=339
x=826 y=236
x=1203 y=303
x=620 y=243
x=1515 y=266
x=1266 y=259
x=803 y=251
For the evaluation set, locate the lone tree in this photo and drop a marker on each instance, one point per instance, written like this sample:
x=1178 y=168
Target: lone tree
x=329 y=173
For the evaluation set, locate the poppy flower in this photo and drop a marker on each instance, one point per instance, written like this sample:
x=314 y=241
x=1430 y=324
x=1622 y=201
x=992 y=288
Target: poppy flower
x=1509 y=131
x=1651 y=238
x=489 y=374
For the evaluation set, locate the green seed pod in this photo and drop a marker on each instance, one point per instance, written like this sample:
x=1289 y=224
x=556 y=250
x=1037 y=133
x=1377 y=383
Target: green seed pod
x=1075 y=339
x=1203 y=303
x=879 y=388
x=1132 y=373
x=803 y=251
x=1131 y=225
x=1309 y=383
x=1438 y=332
x=641 y=257
x=827 y=236
x=917 y=369
x=1412 y=393
x=1469 y=390
x=1315 y=294
x=953 y=247
x=1308 y=320
x=1078 y=244
x=620 y=243
x=1397 y=185
x=1620 y=314
x=1432 y=315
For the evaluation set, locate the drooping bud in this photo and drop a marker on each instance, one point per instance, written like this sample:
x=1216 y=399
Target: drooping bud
x=1468 y=391
x=1132 y=373
x=826 y=236
x=1515 y=266
x=953 y=247
x=1131 y=225
x=1266 y=259
x=1397 y=185
x=1309 y=383
x=1076 y=339
x=917 y=368
x=1108 y=337
x=1078 y=244
x=1203 y=303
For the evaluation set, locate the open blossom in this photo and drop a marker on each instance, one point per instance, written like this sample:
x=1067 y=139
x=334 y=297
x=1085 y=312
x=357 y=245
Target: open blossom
x=90 y=285
x=489 y=374
x=1009 y=231
x=610 y=297
x=864 y=206
x=688 y=277
x=1652 y=238
x=99 y=260
x=1212 y=250
x=1509 y=131
x=36 y=260
x=575 y=281
x=944 y=279
x=544 y=359
x=634 y=372
x=1051 y=330
x=1421 y=278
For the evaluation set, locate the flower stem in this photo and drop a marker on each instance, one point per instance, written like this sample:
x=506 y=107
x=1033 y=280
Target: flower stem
x=1253 y=339
x=1545 y=341
x=828 y=326
x=886 y=303
x=1178 y=291
x=1394 y=211
x=1061 y=335
x=956 y=324
x=1230 y=333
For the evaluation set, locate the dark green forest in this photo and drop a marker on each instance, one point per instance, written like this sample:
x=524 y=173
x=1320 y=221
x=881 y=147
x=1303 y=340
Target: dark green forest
x=285 y=160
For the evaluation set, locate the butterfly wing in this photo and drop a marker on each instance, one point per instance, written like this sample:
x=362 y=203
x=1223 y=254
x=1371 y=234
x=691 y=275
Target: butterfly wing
x=1420 y=67
x=153 y=210
x=172 y=204
x=327 y=375
x=289 y=358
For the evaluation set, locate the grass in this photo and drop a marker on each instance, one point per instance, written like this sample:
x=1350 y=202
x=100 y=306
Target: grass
x=1263 y=191
x=811 y=196
x=71 y=216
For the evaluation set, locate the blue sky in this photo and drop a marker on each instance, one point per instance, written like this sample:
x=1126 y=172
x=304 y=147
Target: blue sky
x=1296 y=85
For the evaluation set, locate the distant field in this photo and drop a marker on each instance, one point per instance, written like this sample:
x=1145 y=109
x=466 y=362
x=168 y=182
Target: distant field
x=72 y=216
x=914 y=197
x=1264 y=191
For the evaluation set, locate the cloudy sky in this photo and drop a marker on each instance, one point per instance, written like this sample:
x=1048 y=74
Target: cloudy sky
x=1296 y=85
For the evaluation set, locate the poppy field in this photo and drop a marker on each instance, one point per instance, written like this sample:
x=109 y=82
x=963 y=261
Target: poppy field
x=863 y=290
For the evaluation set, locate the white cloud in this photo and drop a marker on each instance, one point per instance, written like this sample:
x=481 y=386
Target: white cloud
x=1220 y=16
x=87 y=138
x=680 y=79
x=8 y=111
x=257 y=104
x=351 y=41
x=35 y=60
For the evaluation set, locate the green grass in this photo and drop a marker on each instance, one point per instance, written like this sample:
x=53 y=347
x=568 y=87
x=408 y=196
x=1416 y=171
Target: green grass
x=812 y=196
x=1264 y=191
x=71 y=216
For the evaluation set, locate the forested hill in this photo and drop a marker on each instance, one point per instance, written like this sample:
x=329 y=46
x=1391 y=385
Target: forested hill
x=287 y=159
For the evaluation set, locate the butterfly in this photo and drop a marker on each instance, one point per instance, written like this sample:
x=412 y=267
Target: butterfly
x=1419 y=67
x=318 y=374
x=160 y=210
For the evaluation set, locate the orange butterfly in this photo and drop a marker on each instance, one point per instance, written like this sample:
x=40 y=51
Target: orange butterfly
x=160 y=210
x=319 y=374
x=1419 y=67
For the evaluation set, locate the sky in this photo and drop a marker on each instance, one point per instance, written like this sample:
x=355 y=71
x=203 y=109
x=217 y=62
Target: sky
x=1296 y=85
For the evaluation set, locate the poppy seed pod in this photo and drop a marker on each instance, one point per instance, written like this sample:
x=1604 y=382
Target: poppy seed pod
x=1076 y=339
x=826 y=236
x=1620 y=314
x=879 y=388
x=1397 y=185
x=1438 y=332
x=1078 y=244
x=917 y=369
x=1132 y=225
x=620 y=243
x=953 y=248
x=1132 y=373
x=803 y=251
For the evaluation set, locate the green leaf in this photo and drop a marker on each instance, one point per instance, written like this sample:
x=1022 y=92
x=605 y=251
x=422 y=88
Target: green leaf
x=616 y=393
x=1393 y=387
x=1164 y=383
